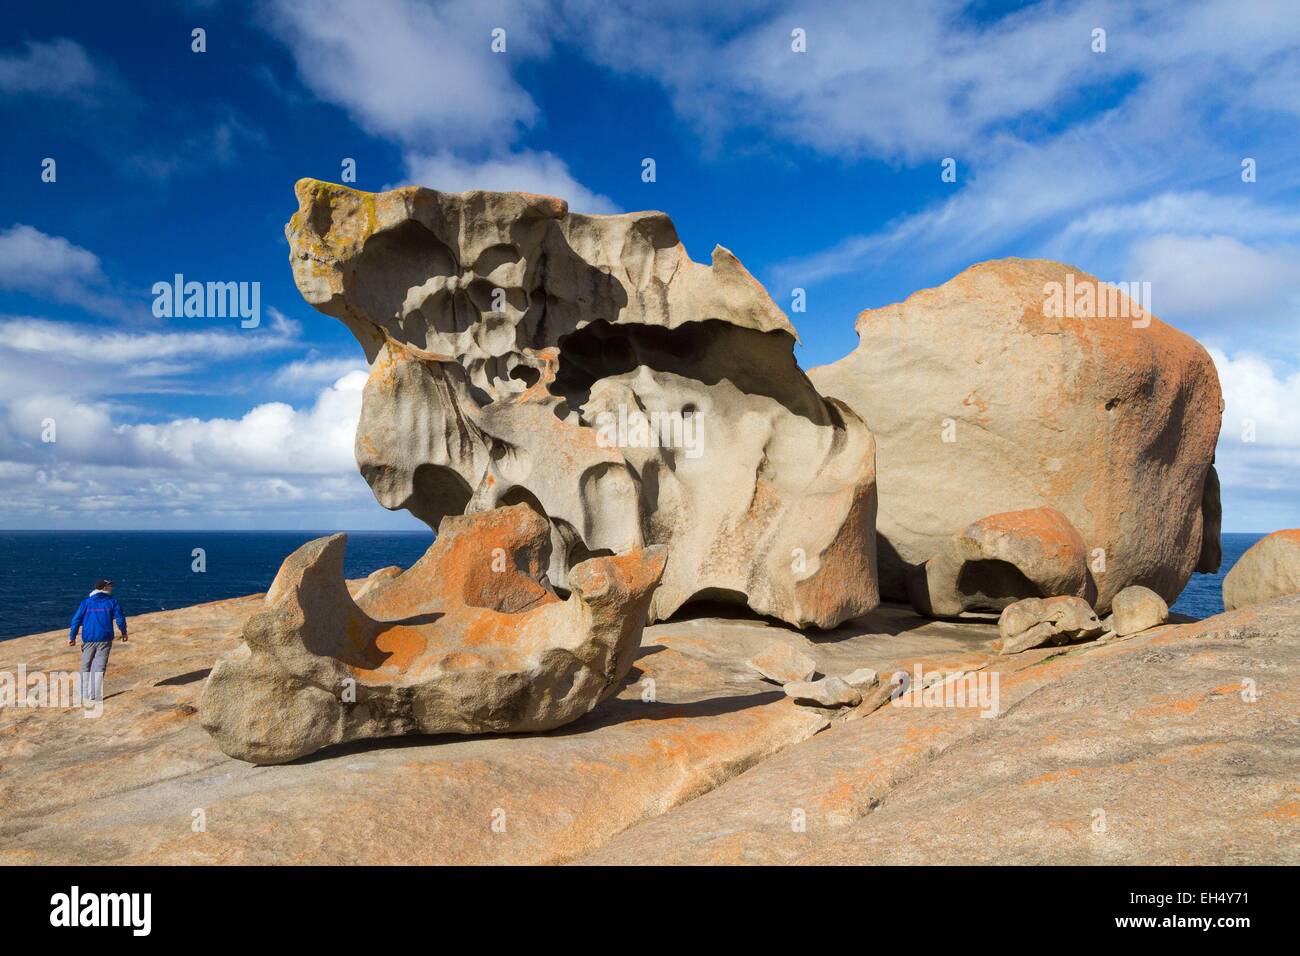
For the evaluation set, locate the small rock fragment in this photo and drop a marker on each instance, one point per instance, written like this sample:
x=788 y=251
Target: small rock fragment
x=1035 y=622
x=862 y=678
x=1137 y=608
x=781 y=663
x=872 y=700
x=827 y=692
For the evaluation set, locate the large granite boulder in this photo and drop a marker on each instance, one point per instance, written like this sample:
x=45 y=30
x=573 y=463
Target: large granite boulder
x=1023 y=385
x=469 y=640
x=1270 y=569
x=586 y=367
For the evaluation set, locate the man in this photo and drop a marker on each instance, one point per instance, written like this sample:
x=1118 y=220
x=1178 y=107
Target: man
x=94 y=618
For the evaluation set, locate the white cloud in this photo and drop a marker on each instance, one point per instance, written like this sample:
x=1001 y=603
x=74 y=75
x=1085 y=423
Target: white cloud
x=273 y=438
x=292 y=466
x=53 y=268
x=905 y=81
x=1258 y=454
x=84 y=343
x=88 y=360
x=109 y=496
x=527 y=171
x=1098 y=195
x=314 y=372
x=1219 y=277
x=1195 y=211
x=415 y=72
x=1036 y=174
x=924 y=79
x=82 y=432
x=30 y=260
x=221 y=147
x=57 y=68
x=106 y=468
x=1014 y=190
x=425 y=76
x=1256 y=392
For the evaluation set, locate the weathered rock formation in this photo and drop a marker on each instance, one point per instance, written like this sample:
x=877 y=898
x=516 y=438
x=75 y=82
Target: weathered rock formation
x=585 y=366
x=1002 y=558
x=468 y=640
x=1026 y=390
x=1039 y=622
x=1269 y=570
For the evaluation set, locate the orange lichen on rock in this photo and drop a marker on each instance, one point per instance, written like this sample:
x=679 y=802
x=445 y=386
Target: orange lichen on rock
x=1174 y=708
x=1022 y=384
x=1285 y=811
x=1000 y=559
x=469 y=640
x=511 y=341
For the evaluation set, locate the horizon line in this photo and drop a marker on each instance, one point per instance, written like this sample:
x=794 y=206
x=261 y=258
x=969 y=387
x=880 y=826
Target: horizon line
x=284 y=531
x=209 y=531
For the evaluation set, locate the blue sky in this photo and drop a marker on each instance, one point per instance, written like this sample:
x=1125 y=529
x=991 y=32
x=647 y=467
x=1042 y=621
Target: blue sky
x=820 y=170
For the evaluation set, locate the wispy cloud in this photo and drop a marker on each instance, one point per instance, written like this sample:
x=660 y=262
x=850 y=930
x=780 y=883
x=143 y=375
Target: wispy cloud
x=54 y=268
x=221 y=146
x=271 y=438
x=425 y=76
x=116 y=347
x=921 y=80
x=312 y=373
x=1223 y=284
x=526 y=171
x=59 y=68
x=411 y=71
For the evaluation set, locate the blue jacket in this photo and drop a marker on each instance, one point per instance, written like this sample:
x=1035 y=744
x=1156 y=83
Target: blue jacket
x=95 y=618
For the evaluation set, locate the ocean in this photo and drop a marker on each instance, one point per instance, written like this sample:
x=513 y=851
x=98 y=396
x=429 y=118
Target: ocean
x=45 y=574
x=1203 y=595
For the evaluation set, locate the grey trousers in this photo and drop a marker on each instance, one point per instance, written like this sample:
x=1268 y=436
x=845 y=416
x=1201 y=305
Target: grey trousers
x=94 y=661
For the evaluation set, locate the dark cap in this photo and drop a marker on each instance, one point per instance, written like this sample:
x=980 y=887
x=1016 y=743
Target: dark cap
x=100 y=585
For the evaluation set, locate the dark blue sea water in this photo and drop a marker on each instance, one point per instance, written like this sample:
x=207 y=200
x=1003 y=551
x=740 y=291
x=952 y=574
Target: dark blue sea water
x=45 y=574
x=1203 y=595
